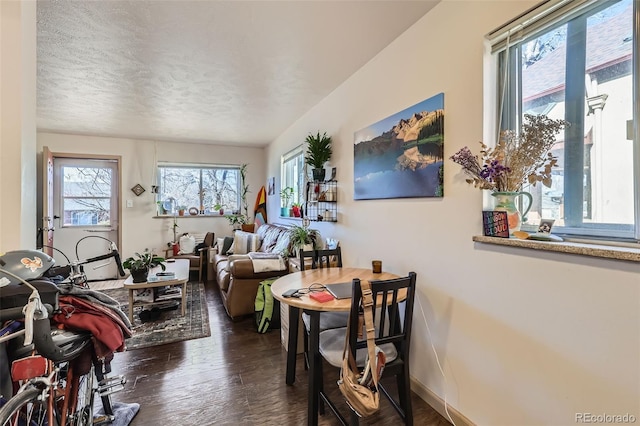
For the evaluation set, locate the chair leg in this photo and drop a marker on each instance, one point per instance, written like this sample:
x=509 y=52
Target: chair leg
x=404 y=395
x=306 y=347
x=320 y=400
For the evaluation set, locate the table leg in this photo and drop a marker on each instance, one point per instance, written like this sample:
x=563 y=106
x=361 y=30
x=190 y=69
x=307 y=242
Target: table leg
x=292 y=345
x=131 y=305
x=314 y=365
x=184 y=298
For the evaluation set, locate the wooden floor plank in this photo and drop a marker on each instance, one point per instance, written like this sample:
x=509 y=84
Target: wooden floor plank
x=234 y=377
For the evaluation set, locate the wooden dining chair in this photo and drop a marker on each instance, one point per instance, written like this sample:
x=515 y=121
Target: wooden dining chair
x=322 y=259
x=304 y=255
x=393 y=321
x=329 y=257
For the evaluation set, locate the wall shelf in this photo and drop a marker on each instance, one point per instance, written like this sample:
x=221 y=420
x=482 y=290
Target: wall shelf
x=321 y=201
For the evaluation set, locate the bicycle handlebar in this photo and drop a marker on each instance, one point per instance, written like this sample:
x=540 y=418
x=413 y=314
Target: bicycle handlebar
x=43 y=341
x=66 y=270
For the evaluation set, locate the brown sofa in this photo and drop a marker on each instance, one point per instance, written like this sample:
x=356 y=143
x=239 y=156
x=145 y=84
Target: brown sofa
x=236 y=279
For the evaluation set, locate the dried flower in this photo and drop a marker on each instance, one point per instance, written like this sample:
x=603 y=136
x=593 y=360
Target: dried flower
x=517 y=159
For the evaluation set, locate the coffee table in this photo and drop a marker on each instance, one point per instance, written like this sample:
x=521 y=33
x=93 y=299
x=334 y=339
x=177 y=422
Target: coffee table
x=180 y=267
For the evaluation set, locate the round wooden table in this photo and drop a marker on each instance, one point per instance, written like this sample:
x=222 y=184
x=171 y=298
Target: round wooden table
x=304 y=279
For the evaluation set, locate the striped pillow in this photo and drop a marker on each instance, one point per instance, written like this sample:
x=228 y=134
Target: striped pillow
x=244 y=242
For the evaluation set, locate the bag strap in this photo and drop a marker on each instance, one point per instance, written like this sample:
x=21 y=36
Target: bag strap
x=367 y=307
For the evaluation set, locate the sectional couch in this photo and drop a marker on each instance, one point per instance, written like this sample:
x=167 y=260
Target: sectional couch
x=235 y=274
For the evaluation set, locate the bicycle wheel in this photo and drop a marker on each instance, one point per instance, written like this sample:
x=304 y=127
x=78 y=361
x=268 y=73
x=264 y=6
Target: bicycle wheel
x=75 y=400
x=26 y=408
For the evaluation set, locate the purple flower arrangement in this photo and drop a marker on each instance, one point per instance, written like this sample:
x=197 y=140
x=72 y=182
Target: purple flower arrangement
x=517 y=159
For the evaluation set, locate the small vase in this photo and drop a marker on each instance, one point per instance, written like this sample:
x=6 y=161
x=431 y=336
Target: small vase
x=505 y=201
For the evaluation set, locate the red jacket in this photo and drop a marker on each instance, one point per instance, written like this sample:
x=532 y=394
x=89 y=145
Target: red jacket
x=106 y=326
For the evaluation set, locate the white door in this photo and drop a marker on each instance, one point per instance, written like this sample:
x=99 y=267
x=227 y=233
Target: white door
x=85 y=202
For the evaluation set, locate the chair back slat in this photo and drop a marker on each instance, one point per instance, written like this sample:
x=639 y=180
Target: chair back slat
x=310 y=254
x=325 y=256
x=391 y=326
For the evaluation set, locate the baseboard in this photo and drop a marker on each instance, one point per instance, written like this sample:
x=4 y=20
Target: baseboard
x=437 y=404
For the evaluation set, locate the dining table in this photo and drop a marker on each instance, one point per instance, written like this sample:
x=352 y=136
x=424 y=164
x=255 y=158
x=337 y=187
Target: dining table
x=303 y=280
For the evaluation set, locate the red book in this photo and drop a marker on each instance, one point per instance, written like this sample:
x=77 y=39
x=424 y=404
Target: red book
x=322 y=296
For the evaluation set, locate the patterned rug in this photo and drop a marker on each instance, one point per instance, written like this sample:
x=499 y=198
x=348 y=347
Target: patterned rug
x=171 y=326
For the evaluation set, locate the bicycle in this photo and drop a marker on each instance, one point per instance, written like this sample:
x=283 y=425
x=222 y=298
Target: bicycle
x=58 y=372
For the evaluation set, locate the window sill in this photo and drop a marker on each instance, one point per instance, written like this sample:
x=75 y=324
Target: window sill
x=189 y=216
x=595 y=250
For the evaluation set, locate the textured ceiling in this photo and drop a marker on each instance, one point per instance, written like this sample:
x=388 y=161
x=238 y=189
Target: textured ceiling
x=230 y=72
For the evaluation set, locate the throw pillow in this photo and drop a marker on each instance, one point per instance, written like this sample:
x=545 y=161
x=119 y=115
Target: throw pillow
x=245 y=242
x=187 y=244
x=226 y=245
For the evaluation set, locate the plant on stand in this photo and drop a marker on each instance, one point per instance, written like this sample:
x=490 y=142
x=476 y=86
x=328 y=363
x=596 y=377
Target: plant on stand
x=236 y=220
x=246 y=225
x=285 y=197
x=302 y=237
x=318 y=153
x=517 y=159
x=140 y=264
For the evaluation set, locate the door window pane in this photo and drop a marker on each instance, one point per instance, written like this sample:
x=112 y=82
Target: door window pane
x=86 y=193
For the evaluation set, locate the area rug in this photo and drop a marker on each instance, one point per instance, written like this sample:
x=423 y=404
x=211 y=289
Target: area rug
x=171 y=326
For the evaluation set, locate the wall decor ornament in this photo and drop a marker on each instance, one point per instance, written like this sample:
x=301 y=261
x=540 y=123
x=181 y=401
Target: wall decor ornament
x=138 y=189
x=401 y=156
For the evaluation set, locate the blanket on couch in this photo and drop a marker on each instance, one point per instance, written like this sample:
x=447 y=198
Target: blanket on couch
x=265 y=262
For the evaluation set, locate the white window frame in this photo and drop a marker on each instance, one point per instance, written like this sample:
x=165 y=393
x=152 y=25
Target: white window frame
x=61 y=163
x=200 y=167
x=293 y=172
x=527 y=25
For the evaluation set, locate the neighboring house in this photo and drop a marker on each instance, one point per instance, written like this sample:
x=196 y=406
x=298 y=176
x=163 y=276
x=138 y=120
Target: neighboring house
x=608 y=76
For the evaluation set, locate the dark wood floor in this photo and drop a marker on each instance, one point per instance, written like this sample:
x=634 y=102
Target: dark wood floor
x=234 y=377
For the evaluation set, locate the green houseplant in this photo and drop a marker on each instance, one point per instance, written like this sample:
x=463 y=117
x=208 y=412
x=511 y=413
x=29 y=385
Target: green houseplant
x=318 y=153
x=246 y=223
x=285 y=195
x=140 y=263
x=236 y=220
x=302 y=237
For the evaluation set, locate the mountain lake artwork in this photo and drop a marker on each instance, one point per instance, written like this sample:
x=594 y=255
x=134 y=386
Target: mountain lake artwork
x=402 y=155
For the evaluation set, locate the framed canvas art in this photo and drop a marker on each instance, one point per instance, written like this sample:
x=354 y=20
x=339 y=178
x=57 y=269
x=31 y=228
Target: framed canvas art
x=402 y=155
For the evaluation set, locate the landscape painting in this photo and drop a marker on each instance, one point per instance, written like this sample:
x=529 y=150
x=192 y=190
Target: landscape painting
x=402 y=155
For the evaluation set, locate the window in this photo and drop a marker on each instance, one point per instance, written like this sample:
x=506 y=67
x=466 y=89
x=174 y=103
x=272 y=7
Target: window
x=200 y=186
x=86 y=189
x=293 y=173
x=574 y=60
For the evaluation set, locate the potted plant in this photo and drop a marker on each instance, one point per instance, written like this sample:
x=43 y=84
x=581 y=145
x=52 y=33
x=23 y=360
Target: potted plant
x=285 y=195
x=302 y=237
x=318 y=153
x=295 y=207
x=245 y=224
x=140 y=264
x=181 y=210
x=219 y=208
x=236 y=220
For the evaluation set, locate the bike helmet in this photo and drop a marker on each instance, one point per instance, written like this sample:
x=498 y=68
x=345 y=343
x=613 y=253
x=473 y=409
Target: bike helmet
x=27 y=264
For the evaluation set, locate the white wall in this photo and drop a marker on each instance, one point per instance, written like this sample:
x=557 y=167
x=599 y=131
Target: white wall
x=139 y=229
x=524 y=337
x=17 y=125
